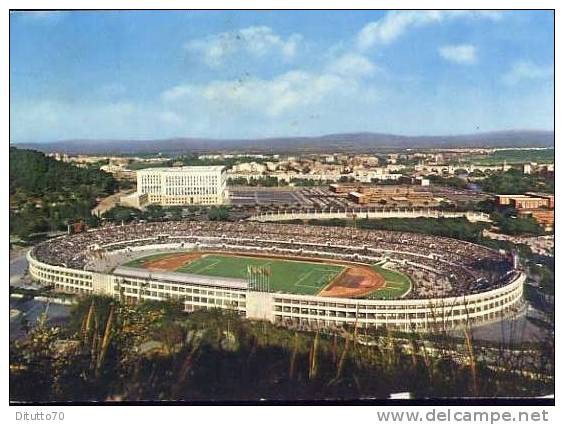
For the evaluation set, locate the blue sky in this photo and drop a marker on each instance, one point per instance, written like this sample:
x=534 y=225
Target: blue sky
x=149 y=74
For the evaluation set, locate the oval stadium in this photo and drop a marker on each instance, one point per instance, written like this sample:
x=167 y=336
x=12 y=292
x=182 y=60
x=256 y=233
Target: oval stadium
x=311 y=277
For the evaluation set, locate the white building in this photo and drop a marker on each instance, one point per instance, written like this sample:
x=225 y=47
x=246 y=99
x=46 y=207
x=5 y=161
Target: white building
x=249 y=167
x=183 y=185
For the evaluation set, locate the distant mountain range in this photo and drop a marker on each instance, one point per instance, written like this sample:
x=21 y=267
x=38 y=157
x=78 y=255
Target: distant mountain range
x=351 y=142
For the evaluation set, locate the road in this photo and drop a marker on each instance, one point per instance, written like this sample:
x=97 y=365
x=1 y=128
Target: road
x=25 y=308
x=30 y=310
x=110 y=201
x=515 y=330
x=18 y=266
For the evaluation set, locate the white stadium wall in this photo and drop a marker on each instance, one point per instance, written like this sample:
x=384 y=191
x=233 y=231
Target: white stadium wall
x=314 y=311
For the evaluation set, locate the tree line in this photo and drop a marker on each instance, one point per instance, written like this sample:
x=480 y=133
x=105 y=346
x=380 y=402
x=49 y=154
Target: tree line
x=46 y=194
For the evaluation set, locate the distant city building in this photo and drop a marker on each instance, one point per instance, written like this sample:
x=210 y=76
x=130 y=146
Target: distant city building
x=249 y=167
x=343 y=188
x=547 y=196
x=545 y=218
x=532 y=201
x=134 y=200
x=394 y=195
x=205 y=185
x=393 y=158
x=539 y=206
x=119 y=170
x=390 y=195
x=417 y=180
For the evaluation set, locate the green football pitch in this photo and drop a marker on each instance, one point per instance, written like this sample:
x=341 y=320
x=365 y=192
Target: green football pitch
x=397 y=284
x=140 y=262
x=288 y=276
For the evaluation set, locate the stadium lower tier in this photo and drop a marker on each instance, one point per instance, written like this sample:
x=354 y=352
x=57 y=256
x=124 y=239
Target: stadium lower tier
x=109 y=272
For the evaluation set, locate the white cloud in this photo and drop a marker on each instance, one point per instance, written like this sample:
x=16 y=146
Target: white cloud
x=464 y=54
x=294 y=91
x=177 y=92
x=44 y=119
x=297 y=93
x=170 y=118
x=394 y=24
x=257 y=41
x=286 y=92
x=352 y=64
x=524 y=70
x=219 y=108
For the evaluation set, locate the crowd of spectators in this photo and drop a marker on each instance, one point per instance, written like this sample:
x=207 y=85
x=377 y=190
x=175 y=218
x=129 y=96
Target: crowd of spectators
x=437 y=266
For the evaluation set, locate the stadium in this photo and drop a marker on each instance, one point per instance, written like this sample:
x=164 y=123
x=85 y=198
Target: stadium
x=310 y=277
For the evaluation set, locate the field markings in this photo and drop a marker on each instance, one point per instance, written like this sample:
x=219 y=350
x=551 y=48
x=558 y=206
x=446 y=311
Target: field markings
x=329 y=270
x=206 y=267
x=324 y=276
x=291 y=275
x=305 y=285
x=304 y=276
x=396 y=285
x=325 y=287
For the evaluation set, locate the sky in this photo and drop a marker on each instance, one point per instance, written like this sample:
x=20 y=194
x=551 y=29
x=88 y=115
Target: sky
x=251 y=74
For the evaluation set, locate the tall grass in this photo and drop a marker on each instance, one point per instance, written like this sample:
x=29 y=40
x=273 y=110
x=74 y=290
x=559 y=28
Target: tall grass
x=221 y=356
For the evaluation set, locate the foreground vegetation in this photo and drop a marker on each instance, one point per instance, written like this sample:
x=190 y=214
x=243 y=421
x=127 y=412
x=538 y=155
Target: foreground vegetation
x=152 y=351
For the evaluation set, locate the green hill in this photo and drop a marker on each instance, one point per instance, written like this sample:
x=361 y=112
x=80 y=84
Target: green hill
x=45 y=194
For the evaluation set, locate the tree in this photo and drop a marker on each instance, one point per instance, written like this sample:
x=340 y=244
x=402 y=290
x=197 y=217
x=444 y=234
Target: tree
x=154 y=212
x=520 y=226
x=220 y=213
x=46 y=194
x=120 y=214
x=477 y=173
x=175 y=212
x=514 y=182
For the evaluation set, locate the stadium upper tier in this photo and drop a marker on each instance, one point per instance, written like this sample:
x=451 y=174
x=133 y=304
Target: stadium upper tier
x=438 y=267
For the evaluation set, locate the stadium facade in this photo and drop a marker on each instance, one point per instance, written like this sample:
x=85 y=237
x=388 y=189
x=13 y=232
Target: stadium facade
x=100 y=270
x=193 y=185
